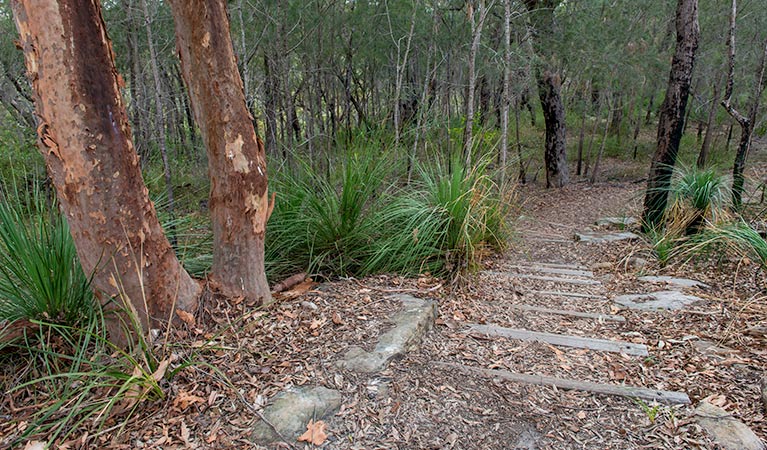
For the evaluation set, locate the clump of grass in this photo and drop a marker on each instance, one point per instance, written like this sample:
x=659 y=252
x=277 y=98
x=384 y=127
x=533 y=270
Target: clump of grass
x=40 y=274
x=737 y=237
x=697 y=195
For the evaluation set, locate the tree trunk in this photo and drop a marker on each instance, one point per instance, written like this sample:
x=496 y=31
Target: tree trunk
x=555 y=155
x=506 y=95
x=704 y=149
x=239 y=203
x=158 y=92
x=85 y=137
x=746 y=123
x=671 y=120
x=477 y=20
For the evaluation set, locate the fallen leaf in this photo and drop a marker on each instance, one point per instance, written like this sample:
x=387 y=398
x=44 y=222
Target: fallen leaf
x=336 y=319
x=315 y=433
x=581 y=415
x=188 y=318
x=35 y=445
x=184 y=399
x=185 y=434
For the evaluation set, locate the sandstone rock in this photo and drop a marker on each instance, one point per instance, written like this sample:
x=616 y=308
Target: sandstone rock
x=410 y=324
x=595 y=237
x=291 y=410
x=681 y=282
x=727 y=431
x=656 y=300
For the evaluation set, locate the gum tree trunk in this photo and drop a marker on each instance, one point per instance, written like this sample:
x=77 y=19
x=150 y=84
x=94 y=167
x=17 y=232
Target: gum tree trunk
x=85 y=137
x=671 y=120
x=239 y=203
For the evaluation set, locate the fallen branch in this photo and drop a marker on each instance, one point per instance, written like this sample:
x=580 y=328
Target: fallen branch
x=289 y=282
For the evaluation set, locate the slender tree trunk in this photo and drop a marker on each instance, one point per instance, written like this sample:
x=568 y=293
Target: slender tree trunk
x=401 y=71
x=705 y=148
x=581 y=136
x=522 y=174
x=477 y=20
x=270 y=105
x=506 y=95
x=597 y=115
x=608 y=123
x=746 y=122
x=158 y=92
x=86 y=140
x=239 y=203
x=672 y=111
x=650 y=107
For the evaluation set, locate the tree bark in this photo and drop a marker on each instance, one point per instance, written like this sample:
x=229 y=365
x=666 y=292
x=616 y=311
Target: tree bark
x=671 y=120
x=706 y=146
x=477 y=20
x=239 y=203
x=549 y=86
x=85 y=137
x=506 y=95
x=746 y=122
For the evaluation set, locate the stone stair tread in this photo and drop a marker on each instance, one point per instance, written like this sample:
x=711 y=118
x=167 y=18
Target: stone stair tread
x=564 y=312
x=552 y=279
x=660 y=396
x=554 y=270
x=561 y=340
x=568 y=294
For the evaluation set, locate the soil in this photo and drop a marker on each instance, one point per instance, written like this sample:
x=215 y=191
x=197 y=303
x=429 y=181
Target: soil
x=244 y=356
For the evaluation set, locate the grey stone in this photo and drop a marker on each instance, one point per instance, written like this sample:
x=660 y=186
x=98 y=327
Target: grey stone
x=595 y=237
x=656 y=300
x=410 y=324
x=291 y=410
x=620 y=223
x=637 y=263
x=681 y=282
x=727 y=431
x=711 y=349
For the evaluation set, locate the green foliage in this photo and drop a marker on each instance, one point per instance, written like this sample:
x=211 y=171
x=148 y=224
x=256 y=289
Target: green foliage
x=737 y=237
x=40 y=274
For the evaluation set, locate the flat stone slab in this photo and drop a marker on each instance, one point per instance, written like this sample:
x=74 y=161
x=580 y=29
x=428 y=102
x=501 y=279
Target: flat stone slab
x=562 y=312
x=410 y=324
x=617 y=222
x=681 y=282
x=562 y=340
x=656 y=395
x=670 y=300
x=596 y=237
x=729 y=432
x=569 y=294
x=552 y=279
x=555 y=271
x=290 y=411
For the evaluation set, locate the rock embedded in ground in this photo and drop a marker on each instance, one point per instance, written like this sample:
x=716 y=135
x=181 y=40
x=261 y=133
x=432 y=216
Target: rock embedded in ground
x=410 y=324
x=681 y=282
x=637 y=263
x=652 y=301
x=291 y=410
x=728 y=432
x=596 y=237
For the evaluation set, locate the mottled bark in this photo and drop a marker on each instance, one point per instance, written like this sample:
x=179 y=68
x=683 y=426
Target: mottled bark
x=239 y=203
x=671 y=120
x=705 y=148
x=85 y=137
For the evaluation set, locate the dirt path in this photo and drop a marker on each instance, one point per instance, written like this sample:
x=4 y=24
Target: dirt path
x=429 y=404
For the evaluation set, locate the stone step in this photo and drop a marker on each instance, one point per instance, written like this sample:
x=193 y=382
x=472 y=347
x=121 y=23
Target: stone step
x=552 y=279
x=559 y=265
x=652 y=395
x=562 y=340
x=568 y=294
x=562 y=312
x=555 y=270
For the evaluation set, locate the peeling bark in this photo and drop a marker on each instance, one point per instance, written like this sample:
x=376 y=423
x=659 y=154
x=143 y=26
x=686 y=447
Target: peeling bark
x=239 y=203
x=85 y=137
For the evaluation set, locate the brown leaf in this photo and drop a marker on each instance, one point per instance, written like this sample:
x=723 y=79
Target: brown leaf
x=336 y=318
x=188 y=318
x=184 y=399
x=35 y=445
x=315 y=433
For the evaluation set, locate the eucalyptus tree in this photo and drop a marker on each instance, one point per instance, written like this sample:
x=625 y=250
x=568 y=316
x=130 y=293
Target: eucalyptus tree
x=671 y=121
x=85 y=137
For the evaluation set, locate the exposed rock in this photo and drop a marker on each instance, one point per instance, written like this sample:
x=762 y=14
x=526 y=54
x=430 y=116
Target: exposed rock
x=727 y=431
x=713 y=350
x=637 y=263
x=618 y=223
x=595 y=237
x=410 y=324
x=291 y=410
x=656 y=300
x=763 y=389
x=681 y=282
x=602 y=266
